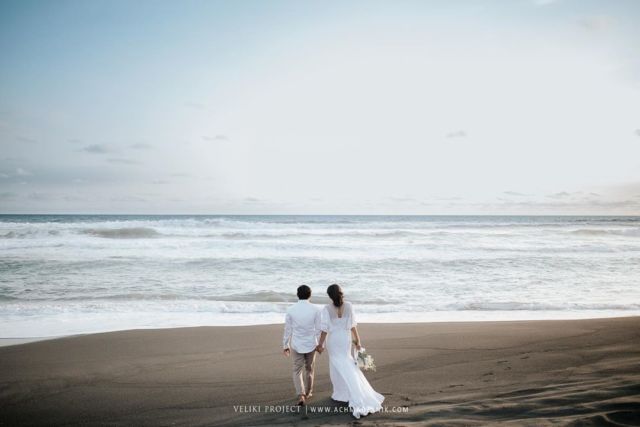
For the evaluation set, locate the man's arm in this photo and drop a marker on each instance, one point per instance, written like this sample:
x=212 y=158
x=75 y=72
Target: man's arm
x=318 y=324
x=320 y=334
x=287 y=335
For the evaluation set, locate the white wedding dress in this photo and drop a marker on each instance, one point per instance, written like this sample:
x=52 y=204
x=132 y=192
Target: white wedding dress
x=349 y=383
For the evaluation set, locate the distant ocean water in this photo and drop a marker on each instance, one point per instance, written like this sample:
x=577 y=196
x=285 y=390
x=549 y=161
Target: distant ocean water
x=68 y=274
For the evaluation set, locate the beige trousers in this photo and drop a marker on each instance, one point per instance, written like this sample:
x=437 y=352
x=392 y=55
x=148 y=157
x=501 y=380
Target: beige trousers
x=303 y=361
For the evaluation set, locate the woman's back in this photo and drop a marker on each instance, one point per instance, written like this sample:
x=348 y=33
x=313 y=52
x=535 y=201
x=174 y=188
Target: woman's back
x=338 y=317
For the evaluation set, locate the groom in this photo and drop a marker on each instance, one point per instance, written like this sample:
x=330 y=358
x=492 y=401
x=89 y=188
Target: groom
x=301 y=332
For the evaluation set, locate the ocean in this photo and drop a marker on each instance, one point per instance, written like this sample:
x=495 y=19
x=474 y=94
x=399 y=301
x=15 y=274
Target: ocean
x=72 y=274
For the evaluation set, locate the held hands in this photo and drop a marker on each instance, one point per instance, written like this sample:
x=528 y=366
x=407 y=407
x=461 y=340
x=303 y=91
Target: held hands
x=286 y=352
x=319 y=348
x=358 y=347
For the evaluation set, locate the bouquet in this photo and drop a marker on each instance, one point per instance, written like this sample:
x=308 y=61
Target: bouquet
x=364 y=360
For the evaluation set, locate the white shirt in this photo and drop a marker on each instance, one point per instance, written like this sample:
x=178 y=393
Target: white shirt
x=302 y=327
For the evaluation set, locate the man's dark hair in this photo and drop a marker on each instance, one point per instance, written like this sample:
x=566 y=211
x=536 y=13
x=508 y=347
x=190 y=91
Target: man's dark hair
x=304 y=292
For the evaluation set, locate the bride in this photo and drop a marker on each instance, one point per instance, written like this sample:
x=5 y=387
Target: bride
x=338 y=324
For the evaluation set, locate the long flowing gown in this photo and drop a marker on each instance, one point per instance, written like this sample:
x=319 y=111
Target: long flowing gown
x=349 y=383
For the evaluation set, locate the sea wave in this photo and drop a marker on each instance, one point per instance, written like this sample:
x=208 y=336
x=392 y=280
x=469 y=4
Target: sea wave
x=628 y=232
x=22 y=234
x=273 y=297
x=537 y=306
x=122 y=233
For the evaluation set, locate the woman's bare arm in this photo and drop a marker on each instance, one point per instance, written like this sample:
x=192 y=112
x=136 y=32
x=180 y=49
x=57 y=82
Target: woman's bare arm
x=356 y=337
x=320 y=346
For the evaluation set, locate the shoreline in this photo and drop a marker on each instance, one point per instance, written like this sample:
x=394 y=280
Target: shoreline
x=465 y=373
x=11 y=341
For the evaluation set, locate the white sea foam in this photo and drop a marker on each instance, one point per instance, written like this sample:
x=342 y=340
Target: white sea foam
x=76 y=274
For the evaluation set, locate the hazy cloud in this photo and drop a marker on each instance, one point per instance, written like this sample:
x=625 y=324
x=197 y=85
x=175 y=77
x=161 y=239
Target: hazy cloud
x=23 y=172
x=544 y=2
x=141 y=146
x=195 y=105
x=560 y=195
x=38 y=196
x=218 y=137
x=27 y=140
x=457 y=134
x=7 y=195
x=122 y=161
x=596 y=23
x=96 y=149
x=515 y=193
x=18 y=172
x=74 y=141
x=402 y=199
x=637 y=132
x=75 y=198
x=127 y=198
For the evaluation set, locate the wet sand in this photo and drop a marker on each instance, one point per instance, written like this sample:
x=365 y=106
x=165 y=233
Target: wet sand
x=575 y=372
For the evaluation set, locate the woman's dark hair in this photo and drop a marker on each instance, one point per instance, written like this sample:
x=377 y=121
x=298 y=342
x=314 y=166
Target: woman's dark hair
x=335 y=293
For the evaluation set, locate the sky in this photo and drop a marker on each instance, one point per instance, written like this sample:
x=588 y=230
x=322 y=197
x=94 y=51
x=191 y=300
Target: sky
x=320 y=107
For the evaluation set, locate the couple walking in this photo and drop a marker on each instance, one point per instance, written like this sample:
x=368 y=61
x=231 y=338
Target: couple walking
x=307 y=329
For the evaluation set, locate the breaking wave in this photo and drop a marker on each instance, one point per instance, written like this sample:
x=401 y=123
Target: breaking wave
x=122 y=233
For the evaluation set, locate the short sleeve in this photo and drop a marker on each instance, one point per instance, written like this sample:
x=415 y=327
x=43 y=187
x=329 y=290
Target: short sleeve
x=324 y=320
x=352 y=317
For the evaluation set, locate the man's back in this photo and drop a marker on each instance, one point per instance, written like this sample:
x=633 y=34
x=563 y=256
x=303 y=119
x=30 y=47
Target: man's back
x=302 y=326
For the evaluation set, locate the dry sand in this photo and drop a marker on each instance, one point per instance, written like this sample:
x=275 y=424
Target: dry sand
x=582 y=372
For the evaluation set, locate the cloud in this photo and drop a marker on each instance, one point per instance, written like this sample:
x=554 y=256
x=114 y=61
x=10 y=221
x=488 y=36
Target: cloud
x=637 y=132
x=253 y=200
x=122 y=161
x=22 y=172
x=402 y=199
x=515 y=193
x=19 y=172
x=75 y=198
x=7 y=195
x=141 y=146
x=544 y=2
x=457 y=134
x=195 y=105
x=74 y=141
x=40 y=196
x=96 y=149
x=127 y=198
x=160 y=182
x=596 y=23
x=27 y=140
x=218 y=137
x=560 y=195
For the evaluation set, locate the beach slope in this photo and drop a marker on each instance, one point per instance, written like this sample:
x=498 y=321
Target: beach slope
x=582 y=372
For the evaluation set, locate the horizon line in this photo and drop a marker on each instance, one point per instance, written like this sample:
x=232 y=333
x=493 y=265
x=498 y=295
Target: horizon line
x=326 y=215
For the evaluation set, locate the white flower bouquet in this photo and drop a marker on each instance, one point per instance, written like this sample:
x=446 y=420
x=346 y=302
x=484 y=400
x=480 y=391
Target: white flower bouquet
x=364 y=360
